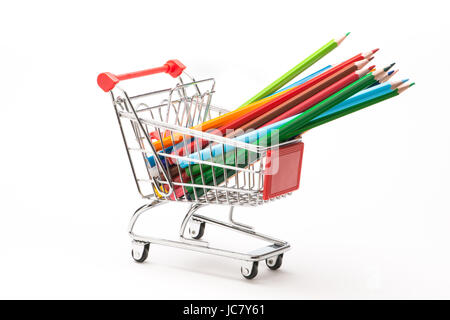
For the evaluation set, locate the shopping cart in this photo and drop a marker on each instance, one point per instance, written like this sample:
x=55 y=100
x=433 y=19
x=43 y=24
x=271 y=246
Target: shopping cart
x=257 y=174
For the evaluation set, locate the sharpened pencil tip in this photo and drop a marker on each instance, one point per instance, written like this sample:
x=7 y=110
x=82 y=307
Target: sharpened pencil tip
x=385 y=69
x=405 y=80
x=412 y=83
x=389 y=67
x=370 y=53
x=371 y=68
x=371 y=58
x=339 y=41
x=391 y=72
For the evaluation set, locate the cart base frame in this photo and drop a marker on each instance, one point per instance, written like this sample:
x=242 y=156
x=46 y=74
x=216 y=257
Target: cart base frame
x=272 y=253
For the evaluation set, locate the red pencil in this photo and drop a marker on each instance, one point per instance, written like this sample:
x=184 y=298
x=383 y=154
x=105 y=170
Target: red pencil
x=322 y=95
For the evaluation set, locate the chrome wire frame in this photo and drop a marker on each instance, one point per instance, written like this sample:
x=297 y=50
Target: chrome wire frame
x=275 y=248
x=171 y=113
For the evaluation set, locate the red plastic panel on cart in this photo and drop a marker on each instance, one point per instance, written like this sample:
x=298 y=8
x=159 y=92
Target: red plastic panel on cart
x=283 y=168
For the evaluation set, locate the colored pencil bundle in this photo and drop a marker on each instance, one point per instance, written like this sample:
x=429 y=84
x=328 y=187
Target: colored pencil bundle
x=276 y=115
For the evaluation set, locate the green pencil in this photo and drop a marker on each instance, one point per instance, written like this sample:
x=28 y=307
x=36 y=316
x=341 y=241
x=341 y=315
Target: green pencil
x=357 y=107
x=295 y=71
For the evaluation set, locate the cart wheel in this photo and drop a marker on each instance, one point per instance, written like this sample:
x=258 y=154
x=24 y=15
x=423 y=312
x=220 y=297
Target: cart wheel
x=140 y=251
x=250 y=271
x=197 y=229
x=274 y=263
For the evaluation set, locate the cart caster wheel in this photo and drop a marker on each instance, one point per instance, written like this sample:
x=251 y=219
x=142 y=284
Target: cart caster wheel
x=250 y=270
x=196 y=229
x=274 y=263
x=140 y=251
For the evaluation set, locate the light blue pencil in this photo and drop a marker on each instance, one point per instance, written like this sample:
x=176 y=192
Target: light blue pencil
x=364 y=95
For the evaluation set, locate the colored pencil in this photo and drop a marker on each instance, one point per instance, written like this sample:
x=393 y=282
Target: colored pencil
x=389 y=75
x=295 y=71
x=318 y=97
x=303 y=80
x=345 y=111
x=364 y=95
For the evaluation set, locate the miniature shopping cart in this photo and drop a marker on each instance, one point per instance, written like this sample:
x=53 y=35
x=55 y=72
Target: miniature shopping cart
x=165 y=118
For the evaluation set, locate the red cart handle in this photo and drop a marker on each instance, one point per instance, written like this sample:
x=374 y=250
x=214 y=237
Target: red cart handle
x=107 y=81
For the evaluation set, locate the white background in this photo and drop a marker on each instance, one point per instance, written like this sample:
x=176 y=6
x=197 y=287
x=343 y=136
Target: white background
x=371 y=219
